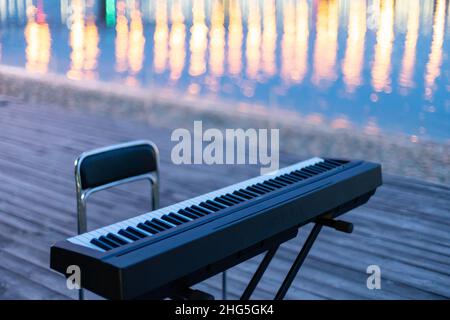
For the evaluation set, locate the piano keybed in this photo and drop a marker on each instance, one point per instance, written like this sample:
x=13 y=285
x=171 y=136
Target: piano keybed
x=171 y=217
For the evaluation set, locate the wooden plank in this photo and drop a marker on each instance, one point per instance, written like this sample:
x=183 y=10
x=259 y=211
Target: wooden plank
x=404 y=228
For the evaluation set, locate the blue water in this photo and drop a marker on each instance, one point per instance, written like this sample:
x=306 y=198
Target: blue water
x=379 y=66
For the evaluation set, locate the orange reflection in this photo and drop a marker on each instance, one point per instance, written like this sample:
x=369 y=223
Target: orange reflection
x=130 y=40
x=448 y=18
x=288 y=41
x=427 y=8
x=433 y=69
x=137 y=41
x=121 y=42
x=372 y=128
x=83 y=40
x=409 y=55
x=38 y=40
x=77 y=40
x=301 y=42
x=160 y=50
x=381 y=68
x=217 y=42
x=315 y=118
x=340 y=123
x=177 y=53
x=401 y=15
x=325 y=48
x=253 y=41
x=91 y=48
x=269 y=38
x=354 y=52
x=235 y=35
x=199 y=39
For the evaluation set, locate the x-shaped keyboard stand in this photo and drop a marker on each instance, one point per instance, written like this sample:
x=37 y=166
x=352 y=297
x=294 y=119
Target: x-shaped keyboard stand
x=336 y=224
x=339 y=225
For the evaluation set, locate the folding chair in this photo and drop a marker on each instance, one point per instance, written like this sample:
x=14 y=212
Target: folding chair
x=111 y=166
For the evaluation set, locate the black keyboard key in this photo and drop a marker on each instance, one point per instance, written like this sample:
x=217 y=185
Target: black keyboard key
x=284 y=184
x=255 y=190
x=291 y=178
x=224 y=202
x=109 y=242
x=179 y=217
x=189 y=214
x=100 y=244
x=306 y=173
x=154 y=226
x=324 y=166
x=274 y=184
x=318 y=168
x=115 y=238
x=136 y=232
x=128 y=235
x=235 y=197
x=147 y=228
x=195 y=211
x=300 y=174
x=333 y=163
x=248 y=193
x=208 y=206
x=312 y=170
x=265 y=187
x=283 y=180
x=243 y=195
x=251 y=193
x=171 y=220
x=218 y=205
x=161 y=223
x=197 y=208
x=232 y=199
x=278 y=179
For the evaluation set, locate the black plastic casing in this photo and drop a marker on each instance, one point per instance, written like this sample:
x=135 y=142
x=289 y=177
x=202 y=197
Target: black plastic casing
x=153 y=266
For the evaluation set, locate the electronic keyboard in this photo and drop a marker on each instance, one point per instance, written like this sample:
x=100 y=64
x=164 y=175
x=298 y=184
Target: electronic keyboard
x=159 y=252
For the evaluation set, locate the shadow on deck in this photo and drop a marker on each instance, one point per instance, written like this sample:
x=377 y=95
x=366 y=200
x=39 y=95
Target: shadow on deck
x=404 y=229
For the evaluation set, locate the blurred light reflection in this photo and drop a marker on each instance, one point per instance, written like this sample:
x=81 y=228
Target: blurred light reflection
x=275 y=52
x=354 y=53
x=38 y=40
x=433 y=69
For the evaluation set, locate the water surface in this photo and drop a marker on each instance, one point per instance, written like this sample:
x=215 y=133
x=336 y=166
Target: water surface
x=380 y=66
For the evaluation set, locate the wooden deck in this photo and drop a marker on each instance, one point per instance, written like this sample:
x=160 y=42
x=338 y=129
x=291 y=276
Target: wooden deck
x=405 y=228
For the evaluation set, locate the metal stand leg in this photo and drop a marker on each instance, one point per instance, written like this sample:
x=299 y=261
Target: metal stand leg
x=224 y=285
x=259 y=273
x=335 y=224
x=81 y=294
x=298 y=262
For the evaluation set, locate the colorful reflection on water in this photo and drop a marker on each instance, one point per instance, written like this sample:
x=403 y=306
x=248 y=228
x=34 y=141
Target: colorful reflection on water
x=380 y=65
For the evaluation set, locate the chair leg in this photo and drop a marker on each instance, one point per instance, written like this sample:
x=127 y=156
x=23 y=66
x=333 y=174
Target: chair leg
x=155 y=194
x=81 y=215
x=82 y=227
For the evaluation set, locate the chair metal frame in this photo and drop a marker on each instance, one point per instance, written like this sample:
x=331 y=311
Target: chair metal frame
x=84 y=194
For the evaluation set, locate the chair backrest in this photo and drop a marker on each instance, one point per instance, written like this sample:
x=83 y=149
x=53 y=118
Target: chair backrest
x=107 y=167
x=111 y=165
